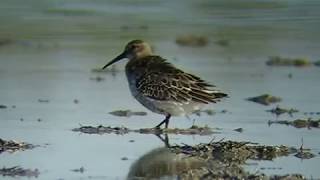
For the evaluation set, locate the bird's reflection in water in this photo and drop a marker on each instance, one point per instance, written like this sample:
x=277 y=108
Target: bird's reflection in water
x=161 y=163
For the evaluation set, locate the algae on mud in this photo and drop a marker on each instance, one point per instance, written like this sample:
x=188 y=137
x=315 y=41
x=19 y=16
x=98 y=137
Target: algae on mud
x=281 y=61
x=193 y=130
x=192 y=40
x=101 y=130
x=17 y=171
x=12 y=146
x=299 y=123
x=265 y=99
x=79 y=170
x=214 y=160
x=278 y=111
x=127 y=113
x=304 y=155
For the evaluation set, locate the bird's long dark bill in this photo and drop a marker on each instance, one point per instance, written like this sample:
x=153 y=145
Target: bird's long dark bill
x=118 y=58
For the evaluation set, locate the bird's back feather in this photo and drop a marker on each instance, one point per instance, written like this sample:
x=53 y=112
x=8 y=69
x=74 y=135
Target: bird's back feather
x=160 y=80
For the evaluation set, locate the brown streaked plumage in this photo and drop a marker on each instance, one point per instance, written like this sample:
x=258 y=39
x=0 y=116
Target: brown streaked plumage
x=160 y=86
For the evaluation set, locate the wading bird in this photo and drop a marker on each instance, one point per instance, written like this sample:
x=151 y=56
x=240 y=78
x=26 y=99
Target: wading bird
x=160 y=86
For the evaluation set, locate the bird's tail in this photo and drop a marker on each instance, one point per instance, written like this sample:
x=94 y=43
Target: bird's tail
x=220 y=95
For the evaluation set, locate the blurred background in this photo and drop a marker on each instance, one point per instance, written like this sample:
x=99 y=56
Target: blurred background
x=51 y=52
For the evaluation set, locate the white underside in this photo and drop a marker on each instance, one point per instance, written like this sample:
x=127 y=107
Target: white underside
x=169 y=107
x=178 y=109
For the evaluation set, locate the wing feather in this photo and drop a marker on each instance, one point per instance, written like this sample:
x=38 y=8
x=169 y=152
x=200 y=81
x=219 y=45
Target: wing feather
x=163 y=81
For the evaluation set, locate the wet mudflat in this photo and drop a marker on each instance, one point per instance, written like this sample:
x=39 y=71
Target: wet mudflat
x=50 y=83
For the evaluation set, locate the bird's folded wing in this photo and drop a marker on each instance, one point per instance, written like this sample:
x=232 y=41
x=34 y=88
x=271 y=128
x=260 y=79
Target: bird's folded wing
x=177 y=86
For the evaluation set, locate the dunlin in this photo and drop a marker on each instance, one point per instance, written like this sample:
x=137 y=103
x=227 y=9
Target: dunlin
x=161 y=87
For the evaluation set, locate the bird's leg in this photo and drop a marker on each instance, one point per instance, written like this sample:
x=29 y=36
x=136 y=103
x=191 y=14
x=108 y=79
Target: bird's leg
x=166 y=120
x=165 y=140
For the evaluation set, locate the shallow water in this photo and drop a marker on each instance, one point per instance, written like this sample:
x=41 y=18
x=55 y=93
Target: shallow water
x=55 y=44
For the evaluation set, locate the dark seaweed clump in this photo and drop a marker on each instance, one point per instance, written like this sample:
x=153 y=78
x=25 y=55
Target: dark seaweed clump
x=278 y=111
x=281 y=61
x=225 y=160
x=265 y=99
x=18 y=171
x=3 y=106
x=230 y=151
x=127 y=113
x=12 y=146
x=192 y=40
x=299 y=123
x=102 y=130
x=193 y=130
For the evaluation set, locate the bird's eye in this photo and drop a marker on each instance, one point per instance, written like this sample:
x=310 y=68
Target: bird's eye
x=132 y=47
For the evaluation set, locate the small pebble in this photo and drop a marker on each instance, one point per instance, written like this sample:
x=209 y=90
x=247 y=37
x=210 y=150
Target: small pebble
x=131 y=140
x=224 y=111
x=76 y=101
x=80 y=170
x=43 y=100
x=124 y=158
x=98 y=78
x=265 y=99
x=3 y=106
x=39 y=119
x=239 y=130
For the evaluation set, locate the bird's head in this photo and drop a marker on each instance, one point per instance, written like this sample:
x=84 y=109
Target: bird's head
x=134 y=50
